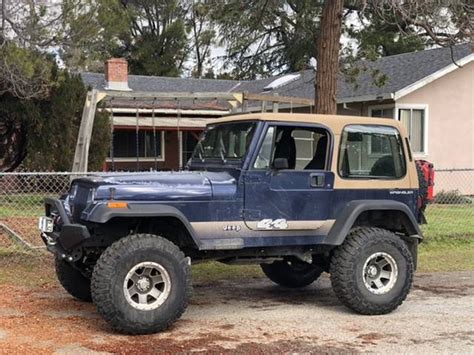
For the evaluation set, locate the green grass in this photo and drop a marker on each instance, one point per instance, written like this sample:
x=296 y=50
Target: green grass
x=18 y=199
x=215 y=271
x=449 y=239
x=28 y=269
x=436 y=258
x=22 y=205
x=449 y=222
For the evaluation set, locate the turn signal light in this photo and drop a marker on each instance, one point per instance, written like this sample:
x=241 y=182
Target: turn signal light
x=117 y=205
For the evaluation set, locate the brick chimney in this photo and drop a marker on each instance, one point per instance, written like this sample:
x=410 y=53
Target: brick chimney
x=116 y=74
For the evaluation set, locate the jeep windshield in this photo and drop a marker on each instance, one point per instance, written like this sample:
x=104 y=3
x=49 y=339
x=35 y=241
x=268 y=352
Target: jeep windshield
x=223 y=144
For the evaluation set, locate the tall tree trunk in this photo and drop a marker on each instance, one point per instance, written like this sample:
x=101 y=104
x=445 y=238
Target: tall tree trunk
x=2 y=31
x=327 y=57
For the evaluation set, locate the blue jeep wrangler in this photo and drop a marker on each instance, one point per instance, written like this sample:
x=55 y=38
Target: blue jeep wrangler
x=298 y=194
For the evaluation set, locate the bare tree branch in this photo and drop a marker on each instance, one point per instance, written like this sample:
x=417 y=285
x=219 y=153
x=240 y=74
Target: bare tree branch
x=445 y=23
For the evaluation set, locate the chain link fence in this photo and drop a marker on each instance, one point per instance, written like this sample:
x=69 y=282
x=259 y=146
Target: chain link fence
x=451 y=215
x=22 y=203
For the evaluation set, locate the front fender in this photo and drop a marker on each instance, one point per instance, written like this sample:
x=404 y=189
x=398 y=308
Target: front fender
x=346 y=219
x=101 y=213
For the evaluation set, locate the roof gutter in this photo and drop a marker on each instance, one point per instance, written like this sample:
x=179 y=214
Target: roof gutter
x=345 y=100
x=168 y=111
x=378 y=97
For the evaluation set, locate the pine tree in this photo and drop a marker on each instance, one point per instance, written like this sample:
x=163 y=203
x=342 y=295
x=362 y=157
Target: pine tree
x=52 y=130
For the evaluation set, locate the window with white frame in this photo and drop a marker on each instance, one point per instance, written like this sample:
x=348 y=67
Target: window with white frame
x=414 y=121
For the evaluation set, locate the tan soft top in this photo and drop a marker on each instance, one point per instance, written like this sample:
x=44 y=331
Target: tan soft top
x=335 y=122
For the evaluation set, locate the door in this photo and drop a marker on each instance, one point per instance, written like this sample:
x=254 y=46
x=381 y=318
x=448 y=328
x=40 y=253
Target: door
x=288 y=185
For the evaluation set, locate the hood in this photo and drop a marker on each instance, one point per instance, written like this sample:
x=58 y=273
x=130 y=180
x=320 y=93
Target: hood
x=159 y=186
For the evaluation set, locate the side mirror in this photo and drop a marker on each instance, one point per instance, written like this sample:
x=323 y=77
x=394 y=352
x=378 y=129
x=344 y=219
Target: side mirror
x=280 y=163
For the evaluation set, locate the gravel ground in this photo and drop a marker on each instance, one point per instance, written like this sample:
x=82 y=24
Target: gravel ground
x=252 y=316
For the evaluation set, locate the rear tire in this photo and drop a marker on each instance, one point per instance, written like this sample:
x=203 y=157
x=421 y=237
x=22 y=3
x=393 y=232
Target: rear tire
x=73 y=281
x=292 y=274
x=372 y=271
x=141 y=284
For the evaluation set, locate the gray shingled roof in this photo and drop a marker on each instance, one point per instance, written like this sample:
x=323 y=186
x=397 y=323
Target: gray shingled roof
x=401 y=70
x=163 y=84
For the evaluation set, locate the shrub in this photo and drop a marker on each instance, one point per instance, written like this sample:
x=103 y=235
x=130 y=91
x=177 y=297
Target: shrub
x=52 y=134
x=452 y=197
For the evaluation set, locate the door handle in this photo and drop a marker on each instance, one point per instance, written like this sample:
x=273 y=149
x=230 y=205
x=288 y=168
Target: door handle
x=317 y=180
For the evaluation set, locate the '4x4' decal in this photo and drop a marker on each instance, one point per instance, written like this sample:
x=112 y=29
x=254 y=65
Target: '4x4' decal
x=272 y=224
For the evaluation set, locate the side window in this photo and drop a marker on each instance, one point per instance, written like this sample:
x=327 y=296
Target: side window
x=304 y=148
x=359 y=159
x=307 y=142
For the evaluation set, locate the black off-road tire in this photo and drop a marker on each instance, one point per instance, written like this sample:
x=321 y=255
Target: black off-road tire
x=291 y=275
x=73 y=281
x=111 y=271
x=347 y=274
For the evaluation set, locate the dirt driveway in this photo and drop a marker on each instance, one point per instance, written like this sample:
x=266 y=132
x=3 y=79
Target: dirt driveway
x=251 y=317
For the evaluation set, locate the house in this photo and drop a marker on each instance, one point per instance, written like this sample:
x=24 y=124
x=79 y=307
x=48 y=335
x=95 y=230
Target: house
x=154 y=135
x=430 y=91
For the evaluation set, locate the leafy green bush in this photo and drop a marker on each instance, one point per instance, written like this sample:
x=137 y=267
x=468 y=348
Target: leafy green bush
x=48 y=128
x=452 y=197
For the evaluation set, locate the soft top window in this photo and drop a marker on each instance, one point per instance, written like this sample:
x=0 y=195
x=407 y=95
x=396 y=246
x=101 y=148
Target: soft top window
x=371 y=151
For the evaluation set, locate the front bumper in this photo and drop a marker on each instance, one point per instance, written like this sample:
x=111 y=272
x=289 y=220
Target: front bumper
x=65 y=235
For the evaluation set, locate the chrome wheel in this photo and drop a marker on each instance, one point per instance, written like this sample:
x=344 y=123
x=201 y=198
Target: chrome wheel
x=380 y=273
x=147 y=286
